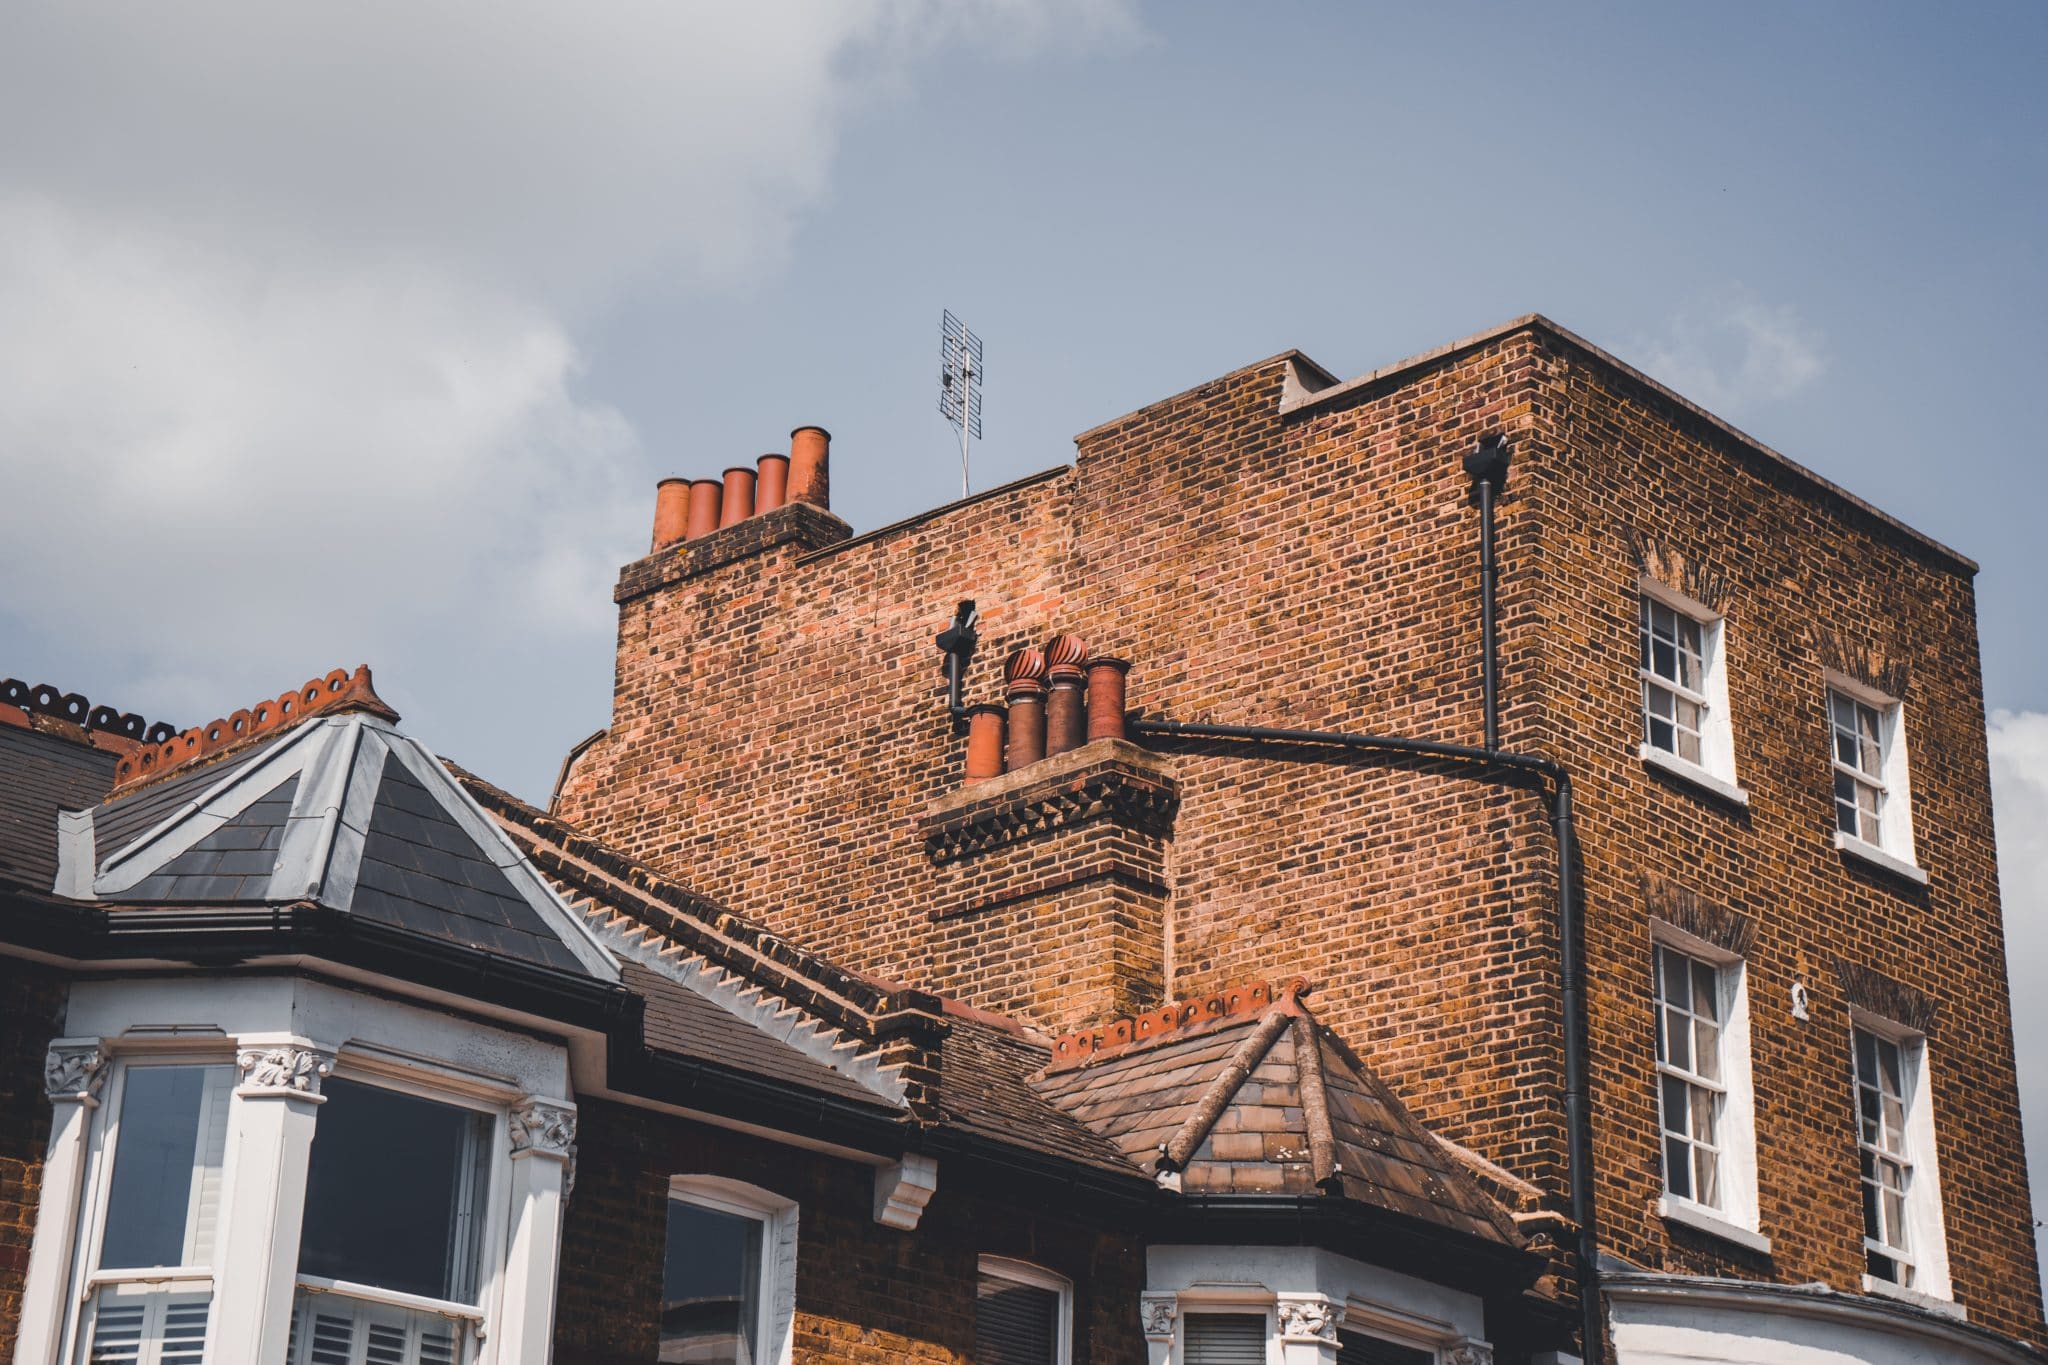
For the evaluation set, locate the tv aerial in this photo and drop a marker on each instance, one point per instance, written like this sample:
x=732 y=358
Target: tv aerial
x=960 y=384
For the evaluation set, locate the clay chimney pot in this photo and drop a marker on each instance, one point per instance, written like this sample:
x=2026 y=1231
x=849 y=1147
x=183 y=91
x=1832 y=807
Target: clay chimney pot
x=738 y=502
x=1106 y=697
x=985 y=727
x=809 y=476
x=671 y=511
x=771 y=489
x=705 y=496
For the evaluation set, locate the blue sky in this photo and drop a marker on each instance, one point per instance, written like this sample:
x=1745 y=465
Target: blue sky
x=364 y=335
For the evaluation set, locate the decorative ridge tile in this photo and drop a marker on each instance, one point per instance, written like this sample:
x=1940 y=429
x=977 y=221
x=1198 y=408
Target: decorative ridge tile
x=1123 y=1035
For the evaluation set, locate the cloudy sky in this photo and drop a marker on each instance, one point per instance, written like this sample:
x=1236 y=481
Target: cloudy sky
x=361 y=332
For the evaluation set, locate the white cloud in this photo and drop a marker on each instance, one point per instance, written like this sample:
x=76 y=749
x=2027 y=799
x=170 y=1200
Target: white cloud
x=2019 y=780
x=288 y=363
x=1736 y=353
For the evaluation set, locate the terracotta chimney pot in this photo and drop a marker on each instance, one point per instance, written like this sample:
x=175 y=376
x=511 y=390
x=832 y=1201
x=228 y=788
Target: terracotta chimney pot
x=985 y=726
x=738 y=502
x=1024 y=687
x=1106 y=697
x=1066 y=712
x=705 y=495
x=809 y=475
x=771 y=489
x=671 y=511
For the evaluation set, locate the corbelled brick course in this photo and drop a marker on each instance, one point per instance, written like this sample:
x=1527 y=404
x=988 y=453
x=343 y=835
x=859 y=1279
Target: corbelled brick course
x=780 y=739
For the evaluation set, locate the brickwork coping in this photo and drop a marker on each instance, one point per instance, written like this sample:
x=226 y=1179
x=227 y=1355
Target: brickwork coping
x=338 y=692
x=1120 y=1035
x=1106 y=777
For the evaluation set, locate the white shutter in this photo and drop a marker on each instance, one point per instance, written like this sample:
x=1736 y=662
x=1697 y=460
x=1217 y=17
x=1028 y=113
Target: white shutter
x=132 y=1325
x=338 y=1330
x=1224 y=1339
x=209 y=1154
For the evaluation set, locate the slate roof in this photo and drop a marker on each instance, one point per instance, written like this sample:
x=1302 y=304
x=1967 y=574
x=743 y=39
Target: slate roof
x=985 y=1088
x=120 y=822
x=1269 y=1103
x=40 y=775
x=685 y=1023
x=421 y=871
x=233 y=862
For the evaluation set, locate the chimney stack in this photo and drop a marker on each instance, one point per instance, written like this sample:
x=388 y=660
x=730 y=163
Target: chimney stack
x=809 y=477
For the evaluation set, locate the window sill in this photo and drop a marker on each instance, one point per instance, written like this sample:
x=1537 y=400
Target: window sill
x=1885 y=1289
x=1703 y=1219
x=1654 y=757
x=1877 y=857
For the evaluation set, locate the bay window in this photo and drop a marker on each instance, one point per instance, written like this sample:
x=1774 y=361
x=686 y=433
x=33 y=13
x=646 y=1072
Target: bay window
x=232 y=1193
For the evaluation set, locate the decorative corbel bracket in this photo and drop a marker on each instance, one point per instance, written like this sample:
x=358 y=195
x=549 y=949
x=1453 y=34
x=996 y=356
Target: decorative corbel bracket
x=903 y=1188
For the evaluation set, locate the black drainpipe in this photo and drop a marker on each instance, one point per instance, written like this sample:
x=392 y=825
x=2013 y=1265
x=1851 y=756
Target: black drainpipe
x=957 y=641
x=1488 y=466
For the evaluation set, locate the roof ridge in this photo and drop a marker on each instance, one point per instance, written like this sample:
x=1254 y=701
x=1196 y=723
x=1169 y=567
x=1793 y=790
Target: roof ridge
x=339 y=690
x=33 y=700
x=1118 y=1035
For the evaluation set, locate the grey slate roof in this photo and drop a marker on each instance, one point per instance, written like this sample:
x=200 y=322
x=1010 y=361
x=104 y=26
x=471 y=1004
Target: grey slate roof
x=233 y=862
x=420 y=871
x=120 y=822
x=687 y=1024
x=41 y=775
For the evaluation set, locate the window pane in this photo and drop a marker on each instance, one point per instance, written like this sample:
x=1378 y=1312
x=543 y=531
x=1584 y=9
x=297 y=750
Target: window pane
x=1707 y=1051
x=1015 y=1324
x=1678 y=1167
x=711 y=1286
x=394 y=1193
x=1707 y=1166
x=1705 y=1113
x=168 y=1145
x=1706 y=990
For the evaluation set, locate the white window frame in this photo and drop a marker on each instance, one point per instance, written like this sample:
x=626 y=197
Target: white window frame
x=1715 y=772
x=777 y=1215
x=1038 y=1277
x=96 y=1285
x=1245 y=1301
x=1735 y=1219
x=440 y=1088
x=1926 y=1236
x=1893 y=850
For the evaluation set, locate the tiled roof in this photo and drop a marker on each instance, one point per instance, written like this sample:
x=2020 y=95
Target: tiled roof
x=1270 y=1103
x=985 y=1088
x=40 y=775
x=687 y=1024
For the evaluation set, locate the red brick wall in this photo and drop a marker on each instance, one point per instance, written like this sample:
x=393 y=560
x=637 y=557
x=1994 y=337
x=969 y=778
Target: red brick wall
x=779 y=727
x=31 y=1014
x=863 y=1293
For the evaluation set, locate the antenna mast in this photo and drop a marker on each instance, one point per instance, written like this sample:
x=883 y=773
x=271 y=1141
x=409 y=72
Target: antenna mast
x=960 y=384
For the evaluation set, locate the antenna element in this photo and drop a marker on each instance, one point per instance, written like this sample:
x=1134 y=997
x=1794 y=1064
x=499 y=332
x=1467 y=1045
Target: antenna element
x=960 y=384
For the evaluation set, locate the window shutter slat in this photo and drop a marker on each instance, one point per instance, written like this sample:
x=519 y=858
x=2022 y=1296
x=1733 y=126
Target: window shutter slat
x=1014 y=1324
x=1224 y=1339
x=117 y=1333
x=1353 y=1349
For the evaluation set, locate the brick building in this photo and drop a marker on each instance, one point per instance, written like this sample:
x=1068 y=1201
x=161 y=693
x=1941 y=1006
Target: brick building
x=1189 y=978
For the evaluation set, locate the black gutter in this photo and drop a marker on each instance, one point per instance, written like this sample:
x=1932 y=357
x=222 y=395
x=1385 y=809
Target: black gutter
x=1488 y=467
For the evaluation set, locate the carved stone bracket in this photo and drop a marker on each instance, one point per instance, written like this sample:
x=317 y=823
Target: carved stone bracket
x=1156 y=1313
x=1308 y=1317
x=1470 y=1352
x=287 y=1071
x=75 y=1072
x=903 y=1188
x=542 y=1128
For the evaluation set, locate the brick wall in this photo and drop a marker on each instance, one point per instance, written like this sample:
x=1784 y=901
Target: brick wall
x=31 y=1013
x=779 y=733
x=863 y=1292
